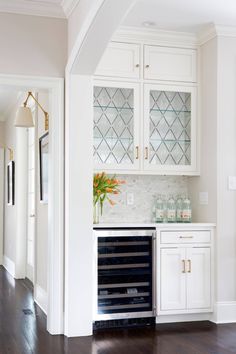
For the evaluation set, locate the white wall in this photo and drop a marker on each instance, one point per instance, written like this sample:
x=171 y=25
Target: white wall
x=33 y=45
x=207 y=115
x=226 y=103
x=77 y=19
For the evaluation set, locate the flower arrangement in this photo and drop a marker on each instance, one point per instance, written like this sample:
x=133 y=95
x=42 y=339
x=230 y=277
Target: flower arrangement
x=103 y=187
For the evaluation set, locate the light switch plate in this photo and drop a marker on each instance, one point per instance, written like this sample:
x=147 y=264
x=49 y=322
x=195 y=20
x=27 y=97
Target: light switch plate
x=232 y=183
x=130 y=198
x=203 y=198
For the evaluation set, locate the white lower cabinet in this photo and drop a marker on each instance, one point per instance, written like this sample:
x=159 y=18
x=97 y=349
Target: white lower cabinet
x=185 y=275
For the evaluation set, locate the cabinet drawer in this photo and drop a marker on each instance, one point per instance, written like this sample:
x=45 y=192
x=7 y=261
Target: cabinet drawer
x=120 y=60
x=185 y=236
x=172 y=64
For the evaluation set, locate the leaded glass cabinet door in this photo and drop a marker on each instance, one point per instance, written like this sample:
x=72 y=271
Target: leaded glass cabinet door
x=116 y=126
x=170 y=129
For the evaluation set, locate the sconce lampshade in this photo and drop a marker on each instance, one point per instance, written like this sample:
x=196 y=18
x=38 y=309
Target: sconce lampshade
x=24 y=118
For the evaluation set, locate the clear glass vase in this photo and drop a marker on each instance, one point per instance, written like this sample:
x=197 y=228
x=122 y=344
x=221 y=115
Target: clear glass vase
x=96 y=211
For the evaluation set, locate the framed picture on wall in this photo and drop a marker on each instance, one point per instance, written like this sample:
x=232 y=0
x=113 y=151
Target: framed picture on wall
x=43 y=167
x=11 y=183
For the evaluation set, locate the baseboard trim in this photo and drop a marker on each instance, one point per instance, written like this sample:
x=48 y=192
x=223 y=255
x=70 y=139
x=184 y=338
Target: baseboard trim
x=41 y=298
x=224 y=312
x=183 y=318
x=9 y=265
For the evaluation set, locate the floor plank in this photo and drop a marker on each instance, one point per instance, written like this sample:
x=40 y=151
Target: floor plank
x=26 y=333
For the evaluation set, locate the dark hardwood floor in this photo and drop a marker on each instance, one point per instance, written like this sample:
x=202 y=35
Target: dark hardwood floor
x=22 y=333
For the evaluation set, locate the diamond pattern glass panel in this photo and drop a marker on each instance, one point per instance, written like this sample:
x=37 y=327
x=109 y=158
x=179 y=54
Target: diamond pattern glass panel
x=113 y=125
x=170 y=128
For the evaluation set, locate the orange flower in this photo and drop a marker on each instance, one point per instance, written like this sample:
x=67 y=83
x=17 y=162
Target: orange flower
x=95 y=185
x=109 y=190
x=98 y=191
x=108 y=181
x=111 y=202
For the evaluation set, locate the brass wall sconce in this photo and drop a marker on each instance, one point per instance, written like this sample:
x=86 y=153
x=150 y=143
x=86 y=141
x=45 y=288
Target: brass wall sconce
x=11 y=154
x=24 y=117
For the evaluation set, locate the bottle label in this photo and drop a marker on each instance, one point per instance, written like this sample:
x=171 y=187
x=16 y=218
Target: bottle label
x=186 y=214
x=171 y=214
x=159 y=214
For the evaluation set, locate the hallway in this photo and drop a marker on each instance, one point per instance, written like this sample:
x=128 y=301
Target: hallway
x=26 y=333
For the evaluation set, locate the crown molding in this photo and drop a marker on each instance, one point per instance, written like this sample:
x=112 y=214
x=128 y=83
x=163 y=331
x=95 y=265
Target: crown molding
x=215 y=30
x=33 y=8
x=69 y=6
x=152 y=36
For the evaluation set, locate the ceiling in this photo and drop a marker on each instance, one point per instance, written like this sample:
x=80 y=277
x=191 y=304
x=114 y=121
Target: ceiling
x=174 y=15
x=182 y=15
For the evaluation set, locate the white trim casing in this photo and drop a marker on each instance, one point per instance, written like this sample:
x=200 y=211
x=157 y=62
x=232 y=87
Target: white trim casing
x=2 y=179
x=9 y=265
x=40 y=297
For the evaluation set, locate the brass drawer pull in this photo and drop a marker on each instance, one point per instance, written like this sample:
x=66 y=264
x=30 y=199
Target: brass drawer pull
x=189 y=266
x=146 y=153
x=137 y=65
x=186 y=237
x=137 y=152
x=183 y=266
x=147 y=66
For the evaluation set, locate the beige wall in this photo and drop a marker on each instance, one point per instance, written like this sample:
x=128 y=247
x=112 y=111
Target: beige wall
x=32 y=45
x=2 y=133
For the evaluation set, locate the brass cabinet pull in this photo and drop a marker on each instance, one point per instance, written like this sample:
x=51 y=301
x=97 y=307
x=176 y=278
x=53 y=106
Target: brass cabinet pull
x=147 y=66
x=186 y=237
x=137 y=65
x=146 y=153
x=189 y=266
x=183 y=266
x=137 y=152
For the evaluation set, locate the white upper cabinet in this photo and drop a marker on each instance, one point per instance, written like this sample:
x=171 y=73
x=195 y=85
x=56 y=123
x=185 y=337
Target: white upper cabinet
x=120 y=60
x=170 y=64
x=145 y=110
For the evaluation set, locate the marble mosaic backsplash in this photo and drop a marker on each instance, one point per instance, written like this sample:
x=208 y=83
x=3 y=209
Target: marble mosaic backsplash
x=145 y=190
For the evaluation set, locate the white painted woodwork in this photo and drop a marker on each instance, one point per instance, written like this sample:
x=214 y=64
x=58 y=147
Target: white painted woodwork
x=170 y=64
x=120 y=60
x=198 y=277
x=173 y=282
x=185 y=236
x=31 y=210
x=192 y=168
x=136 y=127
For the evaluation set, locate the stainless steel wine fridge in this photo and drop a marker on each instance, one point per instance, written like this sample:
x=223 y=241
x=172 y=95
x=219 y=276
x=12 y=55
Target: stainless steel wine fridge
x=125 y=274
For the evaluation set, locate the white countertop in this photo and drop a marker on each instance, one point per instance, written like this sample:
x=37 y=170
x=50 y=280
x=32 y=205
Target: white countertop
x=155 y=225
